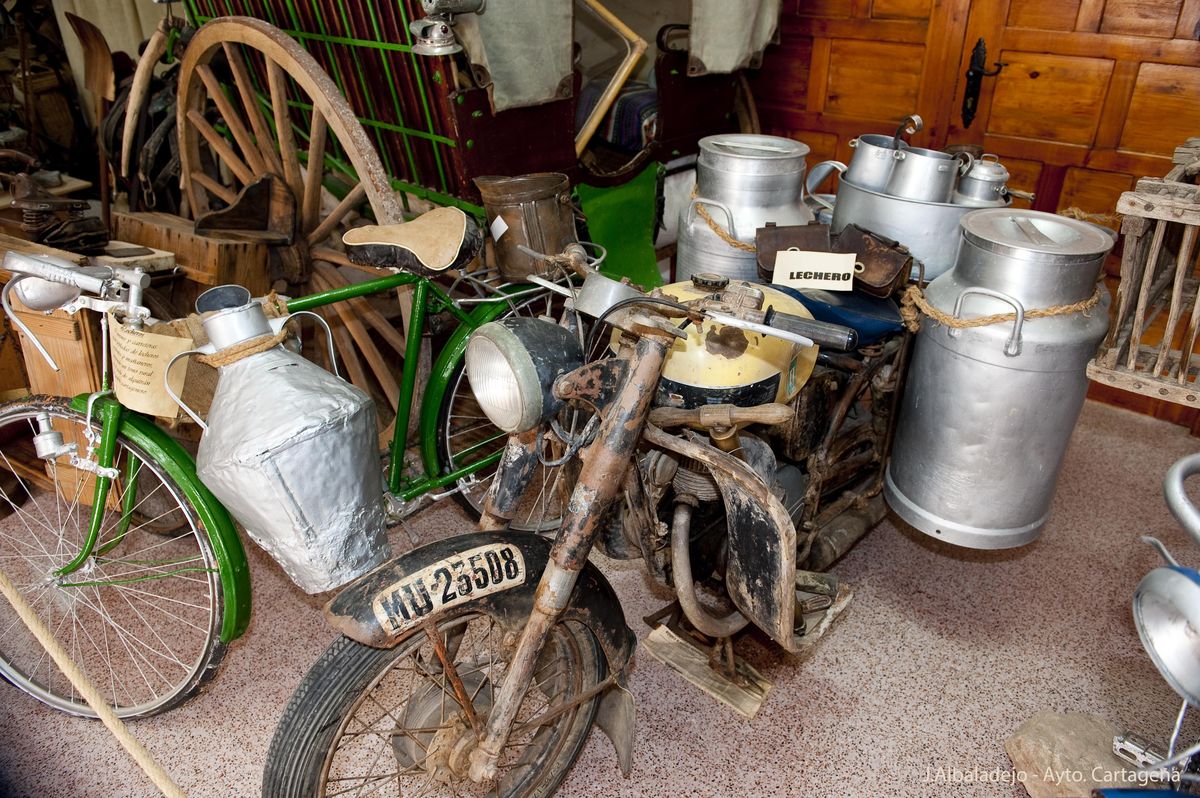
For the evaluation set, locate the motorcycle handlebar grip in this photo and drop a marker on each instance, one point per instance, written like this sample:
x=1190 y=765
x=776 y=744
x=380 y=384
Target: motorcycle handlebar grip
x=52 y=269
x=825 y=334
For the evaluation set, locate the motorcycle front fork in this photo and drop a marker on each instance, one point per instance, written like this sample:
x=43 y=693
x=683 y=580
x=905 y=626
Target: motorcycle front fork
x=603 y=472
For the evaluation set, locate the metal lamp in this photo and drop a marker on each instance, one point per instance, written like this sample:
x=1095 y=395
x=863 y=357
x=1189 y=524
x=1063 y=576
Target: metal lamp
x=433 y=34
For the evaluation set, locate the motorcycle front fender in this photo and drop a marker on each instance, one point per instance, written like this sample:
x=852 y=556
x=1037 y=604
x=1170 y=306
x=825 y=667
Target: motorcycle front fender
x=382 y=607
x=761 y=573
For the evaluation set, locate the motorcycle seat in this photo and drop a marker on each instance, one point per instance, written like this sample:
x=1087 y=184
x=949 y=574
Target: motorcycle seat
x=872 y=317
x=440 y=239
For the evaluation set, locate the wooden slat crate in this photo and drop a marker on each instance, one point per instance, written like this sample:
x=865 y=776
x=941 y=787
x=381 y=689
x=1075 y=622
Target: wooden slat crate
x=1151 y=347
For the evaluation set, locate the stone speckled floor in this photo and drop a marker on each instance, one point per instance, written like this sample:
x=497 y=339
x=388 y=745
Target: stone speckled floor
x=942 y=654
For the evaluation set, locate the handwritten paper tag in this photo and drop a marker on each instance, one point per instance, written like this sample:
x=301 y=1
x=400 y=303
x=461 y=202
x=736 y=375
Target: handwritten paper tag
x=829 y=271
x=139 y=359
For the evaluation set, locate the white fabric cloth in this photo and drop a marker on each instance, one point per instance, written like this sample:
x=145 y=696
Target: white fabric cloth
x=526 y=47
x=124 y=23
x=728 y=36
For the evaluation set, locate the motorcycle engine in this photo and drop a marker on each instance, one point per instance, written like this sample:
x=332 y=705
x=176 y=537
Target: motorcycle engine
x=719 y=364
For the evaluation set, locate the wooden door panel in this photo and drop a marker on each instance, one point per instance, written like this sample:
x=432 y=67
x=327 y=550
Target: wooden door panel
x=1043 y=15
x=824 y=8
x=1023 y=175
x=901 y=9
x=1141 y=17
x=786 y=87
x=1164 y=109
x=1045 y=96
x=872 y=80
x=1093 y=190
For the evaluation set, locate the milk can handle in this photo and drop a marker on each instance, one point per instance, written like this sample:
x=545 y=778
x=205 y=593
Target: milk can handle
x=170 y=393
x=1013 y=347
x=817 y=176
x=687 y=219
x=328 y=334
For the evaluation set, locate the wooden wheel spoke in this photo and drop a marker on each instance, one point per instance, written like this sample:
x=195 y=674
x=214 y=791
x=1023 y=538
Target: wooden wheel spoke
x=262 y=131
x=302 y=149
x=311 y=203
x=277 y=83
x=365 y=310
x=220 y=146
x=216 y=92
x=215 y=188
x=366 y=347
x=327 y=225
x=346 y=350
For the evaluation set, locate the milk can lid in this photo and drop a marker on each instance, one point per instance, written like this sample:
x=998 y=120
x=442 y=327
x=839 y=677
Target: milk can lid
x=752 y=145
x=1035 y=235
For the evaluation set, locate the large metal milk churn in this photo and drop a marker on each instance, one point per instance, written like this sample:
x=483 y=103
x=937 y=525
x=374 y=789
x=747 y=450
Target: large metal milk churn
x=290 y=449
x=743 y=181
x=988 y=410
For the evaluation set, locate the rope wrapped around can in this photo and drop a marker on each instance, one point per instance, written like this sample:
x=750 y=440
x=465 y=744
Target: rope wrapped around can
x=275 y=306
x=717 y=229
x=914 y=304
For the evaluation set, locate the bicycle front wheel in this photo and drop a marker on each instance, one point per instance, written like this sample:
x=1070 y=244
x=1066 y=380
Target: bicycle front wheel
x=142 y=615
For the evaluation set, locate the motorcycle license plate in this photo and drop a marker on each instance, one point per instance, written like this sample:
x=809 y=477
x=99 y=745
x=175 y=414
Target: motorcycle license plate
x=448 y=583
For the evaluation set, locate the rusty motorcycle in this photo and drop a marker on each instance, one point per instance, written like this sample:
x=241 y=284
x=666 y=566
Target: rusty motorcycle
x=477 y=664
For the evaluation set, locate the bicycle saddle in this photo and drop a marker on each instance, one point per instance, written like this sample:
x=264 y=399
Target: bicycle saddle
x=440 y=239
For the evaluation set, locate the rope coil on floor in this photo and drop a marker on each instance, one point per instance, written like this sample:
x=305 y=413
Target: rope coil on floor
x=141 y=756
x=914 y=304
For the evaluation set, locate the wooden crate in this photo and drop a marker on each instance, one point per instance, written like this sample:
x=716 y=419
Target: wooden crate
x=207 y=260
x=1151 y=347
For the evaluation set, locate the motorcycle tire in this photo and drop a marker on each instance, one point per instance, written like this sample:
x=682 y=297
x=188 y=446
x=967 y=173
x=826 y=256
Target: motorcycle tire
x=303 y=760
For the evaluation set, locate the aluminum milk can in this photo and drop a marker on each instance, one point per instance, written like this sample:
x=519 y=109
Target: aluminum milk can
x=291 y=451
x=988 y=411
x=743 y=181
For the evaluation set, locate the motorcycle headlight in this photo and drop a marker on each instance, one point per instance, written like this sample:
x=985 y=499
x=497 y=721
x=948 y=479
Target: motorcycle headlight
x=512 y=364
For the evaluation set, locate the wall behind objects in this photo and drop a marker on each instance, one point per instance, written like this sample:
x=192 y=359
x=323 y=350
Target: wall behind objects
x=124 y=23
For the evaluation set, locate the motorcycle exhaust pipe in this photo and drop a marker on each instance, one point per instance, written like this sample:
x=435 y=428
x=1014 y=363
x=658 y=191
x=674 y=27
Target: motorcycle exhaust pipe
x=685 y=586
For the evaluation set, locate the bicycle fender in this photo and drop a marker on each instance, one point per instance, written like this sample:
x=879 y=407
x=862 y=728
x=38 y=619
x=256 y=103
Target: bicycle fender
x=166 y=452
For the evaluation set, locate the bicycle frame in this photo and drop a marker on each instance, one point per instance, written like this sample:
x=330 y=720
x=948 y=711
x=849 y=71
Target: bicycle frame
x=116 y=420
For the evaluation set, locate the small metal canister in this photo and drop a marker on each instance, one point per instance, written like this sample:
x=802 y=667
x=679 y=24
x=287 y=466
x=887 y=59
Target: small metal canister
x=532 y=210
x=988 y=411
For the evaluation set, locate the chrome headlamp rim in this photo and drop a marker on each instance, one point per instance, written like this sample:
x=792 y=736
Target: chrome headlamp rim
x=534 y=352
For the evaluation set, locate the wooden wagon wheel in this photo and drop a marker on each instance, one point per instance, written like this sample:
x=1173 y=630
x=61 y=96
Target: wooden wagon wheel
x=246 y=89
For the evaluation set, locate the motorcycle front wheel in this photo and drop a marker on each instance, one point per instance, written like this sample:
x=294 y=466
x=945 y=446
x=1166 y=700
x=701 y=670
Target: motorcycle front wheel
x=387 y=722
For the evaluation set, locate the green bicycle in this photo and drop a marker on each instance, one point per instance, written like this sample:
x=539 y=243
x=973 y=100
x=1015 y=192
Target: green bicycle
x=130 y=560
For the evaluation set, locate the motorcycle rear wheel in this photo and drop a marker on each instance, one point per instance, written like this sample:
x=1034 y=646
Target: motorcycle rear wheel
x=386 y=721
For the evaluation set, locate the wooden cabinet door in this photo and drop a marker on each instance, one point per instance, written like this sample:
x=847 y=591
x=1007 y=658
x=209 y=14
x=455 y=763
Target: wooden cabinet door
x=1093 y=94
x=845 y=67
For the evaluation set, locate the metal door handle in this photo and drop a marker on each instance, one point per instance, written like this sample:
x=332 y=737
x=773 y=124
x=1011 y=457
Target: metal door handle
x=976 y=72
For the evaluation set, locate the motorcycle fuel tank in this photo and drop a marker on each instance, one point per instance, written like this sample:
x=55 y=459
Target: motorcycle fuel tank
x=719 y=364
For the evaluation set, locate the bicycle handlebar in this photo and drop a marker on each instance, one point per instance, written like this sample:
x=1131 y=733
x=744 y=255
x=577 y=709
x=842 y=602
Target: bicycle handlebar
x=55 y=270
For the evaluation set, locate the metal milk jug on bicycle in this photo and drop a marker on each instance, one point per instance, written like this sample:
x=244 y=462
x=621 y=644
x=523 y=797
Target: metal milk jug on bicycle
x=288 y=448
